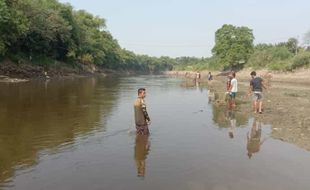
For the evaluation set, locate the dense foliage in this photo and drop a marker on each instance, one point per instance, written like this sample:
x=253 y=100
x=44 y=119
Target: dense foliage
x=284 y=56
x=233 y=45
x=45 y=31
x=234 y=49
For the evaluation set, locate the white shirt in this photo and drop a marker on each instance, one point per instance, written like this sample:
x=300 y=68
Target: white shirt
x=234 y=85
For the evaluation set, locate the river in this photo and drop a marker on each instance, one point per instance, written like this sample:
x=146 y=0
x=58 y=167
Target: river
x=78 y=133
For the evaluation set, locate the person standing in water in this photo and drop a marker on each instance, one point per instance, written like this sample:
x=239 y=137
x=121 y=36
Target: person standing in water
x=142 y=119
x=210 y=77
x=233 y=89
x=256 y=87
x=198 y=75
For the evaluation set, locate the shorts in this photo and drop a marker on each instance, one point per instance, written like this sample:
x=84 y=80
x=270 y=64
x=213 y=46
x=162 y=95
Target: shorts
x=233 y=94
x=257 y=96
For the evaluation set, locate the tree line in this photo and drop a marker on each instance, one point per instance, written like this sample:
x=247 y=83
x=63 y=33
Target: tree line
x=44 y=31
x=234 y=49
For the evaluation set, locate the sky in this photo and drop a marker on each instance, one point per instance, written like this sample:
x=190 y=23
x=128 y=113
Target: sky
x=187 y=27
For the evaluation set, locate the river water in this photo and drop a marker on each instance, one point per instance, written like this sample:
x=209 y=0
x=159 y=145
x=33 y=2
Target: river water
x=79 y=134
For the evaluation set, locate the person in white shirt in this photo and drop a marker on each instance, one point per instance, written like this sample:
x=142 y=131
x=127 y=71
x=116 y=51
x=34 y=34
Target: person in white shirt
x=233 y=89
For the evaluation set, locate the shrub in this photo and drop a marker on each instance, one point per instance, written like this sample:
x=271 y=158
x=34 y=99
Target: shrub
x=86 y=59
x=281 y=65
x=281 y=53
x=301 y=60
x=275 y=58
x=260 y=58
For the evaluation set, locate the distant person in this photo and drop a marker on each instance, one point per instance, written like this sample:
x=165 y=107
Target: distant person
x=186 y=74
x=233 y=89
x=198 y=75
x=256 y=87
x=142 y=118
x=46 y=75
x=228 y=82
x=210 y=77
x=254 y=138
x=227 y=97
x=142 y=148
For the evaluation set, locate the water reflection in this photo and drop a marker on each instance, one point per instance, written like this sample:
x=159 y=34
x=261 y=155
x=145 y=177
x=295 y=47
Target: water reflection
x=254 y=138
x=194 y=83
x=228 y=118
x=142 y=148
x=189 y=84
x=192 y=147
x=42 y=115
x=232 y=120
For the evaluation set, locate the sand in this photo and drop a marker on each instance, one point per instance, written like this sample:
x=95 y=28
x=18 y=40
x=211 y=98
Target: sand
x=286 y=101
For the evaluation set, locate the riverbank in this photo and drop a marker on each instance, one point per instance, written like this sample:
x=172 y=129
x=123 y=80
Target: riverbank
x=11 y=72
x=286 y=101
x=24 y=71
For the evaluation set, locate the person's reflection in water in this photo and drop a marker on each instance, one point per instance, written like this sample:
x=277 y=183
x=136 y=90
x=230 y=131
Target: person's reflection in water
x=211 y=95
x=254 y=138
x=232 y=120
x=142 y=148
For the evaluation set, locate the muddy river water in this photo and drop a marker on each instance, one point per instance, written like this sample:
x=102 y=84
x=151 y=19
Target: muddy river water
x=79 y=134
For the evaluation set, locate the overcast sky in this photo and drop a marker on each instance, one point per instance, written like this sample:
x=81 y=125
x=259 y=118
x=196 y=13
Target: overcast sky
x=186 y=27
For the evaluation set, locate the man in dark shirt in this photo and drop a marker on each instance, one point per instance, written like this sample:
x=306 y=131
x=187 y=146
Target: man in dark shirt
x=256 y=87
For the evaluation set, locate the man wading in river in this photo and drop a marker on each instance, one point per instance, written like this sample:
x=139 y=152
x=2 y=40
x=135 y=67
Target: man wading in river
x=142 y=118
x=256 y=87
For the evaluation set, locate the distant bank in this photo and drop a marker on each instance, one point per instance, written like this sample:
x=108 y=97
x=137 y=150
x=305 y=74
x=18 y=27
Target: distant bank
x=21 y=72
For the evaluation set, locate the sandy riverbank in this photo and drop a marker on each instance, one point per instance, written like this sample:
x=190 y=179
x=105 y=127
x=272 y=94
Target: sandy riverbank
x=286 y=101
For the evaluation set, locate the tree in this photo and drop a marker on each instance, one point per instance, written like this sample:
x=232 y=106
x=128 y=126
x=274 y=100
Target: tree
x=233 y=46
x=292 y=45
x=13 y=24
x=263 y=46
x=43 y=31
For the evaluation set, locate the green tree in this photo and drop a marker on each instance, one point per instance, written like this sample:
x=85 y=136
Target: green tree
x=43 y=31
x=262 y=46
x=48 y=30
x=233 y=46
x=292 y=45
x=13 y=24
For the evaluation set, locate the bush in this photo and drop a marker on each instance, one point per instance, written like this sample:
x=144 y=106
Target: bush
x=2 y=48
x=213 y=64
x=281 y=65
x=260 y=58
x=275 y=58
x=301 y=60
x=281 y=53
x=86 y=59
x=18 y=57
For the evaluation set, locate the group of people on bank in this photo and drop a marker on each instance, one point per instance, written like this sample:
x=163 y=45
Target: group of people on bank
x=256 y=90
